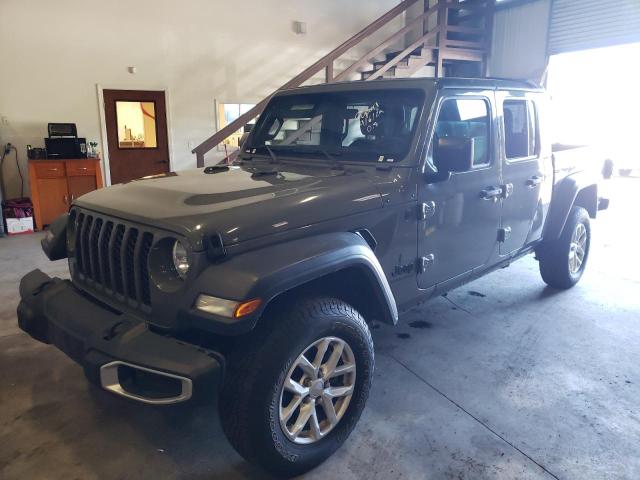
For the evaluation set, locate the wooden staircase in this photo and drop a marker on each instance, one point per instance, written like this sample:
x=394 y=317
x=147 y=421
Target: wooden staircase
x=455 y=44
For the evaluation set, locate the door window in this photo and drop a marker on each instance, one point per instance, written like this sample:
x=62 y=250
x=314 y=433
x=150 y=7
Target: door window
x=136 y=124
x=520 y=129
x=462 y=128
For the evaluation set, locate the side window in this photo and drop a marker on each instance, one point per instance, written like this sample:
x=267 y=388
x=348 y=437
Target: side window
x=461 y=139
x=520 y=129
x=534 y=136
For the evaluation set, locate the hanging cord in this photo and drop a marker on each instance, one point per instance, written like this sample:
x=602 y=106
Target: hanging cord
x=19 y=173
x=4 y=154
x=3 y=191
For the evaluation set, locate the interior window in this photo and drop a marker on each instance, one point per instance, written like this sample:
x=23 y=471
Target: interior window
x=227 y=113
x=519 y=129
x=463 y=120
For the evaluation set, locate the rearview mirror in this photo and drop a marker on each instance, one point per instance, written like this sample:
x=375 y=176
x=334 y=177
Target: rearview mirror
x=453 y=154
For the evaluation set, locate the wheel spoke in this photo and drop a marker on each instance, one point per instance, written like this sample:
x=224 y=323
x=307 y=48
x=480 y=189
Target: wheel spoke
x=291 y=408
x=307 y=367
x=329 y=410
x=294 y=387
x=334 y=392
x=329 y=367
x=322 y=349
x=303 y=418
x=315 y=425
x=343 y=369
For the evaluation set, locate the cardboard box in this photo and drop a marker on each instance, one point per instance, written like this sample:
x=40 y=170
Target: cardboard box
x=17 y=226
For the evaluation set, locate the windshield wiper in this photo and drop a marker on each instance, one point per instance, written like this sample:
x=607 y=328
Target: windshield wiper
x=335 y=164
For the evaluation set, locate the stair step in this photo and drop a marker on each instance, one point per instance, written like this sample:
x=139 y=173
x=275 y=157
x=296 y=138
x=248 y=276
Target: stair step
x=402 y=63
x=391 y=73
x=418 y=52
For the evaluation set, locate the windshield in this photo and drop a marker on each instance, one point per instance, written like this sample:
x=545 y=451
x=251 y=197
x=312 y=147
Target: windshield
x=364 y=125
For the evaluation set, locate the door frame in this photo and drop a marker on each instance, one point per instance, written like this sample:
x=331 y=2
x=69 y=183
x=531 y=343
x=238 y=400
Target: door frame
x=104 y=164
x=462 y=93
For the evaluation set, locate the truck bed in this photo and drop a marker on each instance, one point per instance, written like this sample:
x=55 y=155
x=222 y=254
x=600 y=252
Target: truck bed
x=569 y=159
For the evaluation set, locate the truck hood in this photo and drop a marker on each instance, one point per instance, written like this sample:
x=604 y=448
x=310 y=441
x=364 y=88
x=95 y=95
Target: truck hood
x=240 y=203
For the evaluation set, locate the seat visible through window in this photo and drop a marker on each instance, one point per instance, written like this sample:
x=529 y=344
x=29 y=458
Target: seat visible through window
x=466 y=118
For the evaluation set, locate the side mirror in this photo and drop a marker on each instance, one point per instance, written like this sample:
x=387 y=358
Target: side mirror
x=453 y=154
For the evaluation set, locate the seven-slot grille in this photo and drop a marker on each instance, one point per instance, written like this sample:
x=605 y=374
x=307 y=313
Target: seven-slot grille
x=112 y=256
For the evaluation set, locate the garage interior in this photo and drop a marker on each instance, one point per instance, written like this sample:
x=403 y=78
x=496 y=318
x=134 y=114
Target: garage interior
x=504 y=377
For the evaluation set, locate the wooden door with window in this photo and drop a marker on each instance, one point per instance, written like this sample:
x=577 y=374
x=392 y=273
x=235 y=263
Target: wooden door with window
x=136 y=124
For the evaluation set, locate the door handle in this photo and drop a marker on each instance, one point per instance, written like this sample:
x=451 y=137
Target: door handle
x=491 y=193
x=534 y=181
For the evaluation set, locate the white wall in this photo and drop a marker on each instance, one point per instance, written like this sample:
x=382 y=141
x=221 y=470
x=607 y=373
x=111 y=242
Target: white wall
x=519 y=44
x=53 y=54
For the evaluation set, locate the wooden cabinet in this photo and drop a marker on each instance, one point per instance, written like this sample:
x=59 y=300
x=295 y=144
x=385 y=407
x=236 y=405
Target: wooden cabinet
x=55 y=184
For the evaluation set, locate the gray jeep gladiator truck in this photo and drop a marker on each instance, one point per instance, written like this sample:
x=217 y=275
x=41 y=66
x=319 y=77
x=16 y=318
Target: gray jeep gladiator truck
x=254 y=283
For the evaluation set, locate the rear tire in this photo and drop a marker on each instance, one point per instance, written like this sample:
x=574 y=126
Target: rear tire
x=254 y=402
x=562 y=261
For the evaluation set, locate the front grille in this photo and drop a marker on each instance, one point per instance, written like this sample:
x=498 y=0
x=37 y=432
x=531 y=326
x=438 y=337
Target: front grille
x=112 y=256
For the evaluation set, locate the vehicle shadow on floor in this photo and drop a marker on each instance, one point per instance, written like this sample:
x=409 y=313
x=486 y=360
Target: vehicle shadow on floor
x=109 y=436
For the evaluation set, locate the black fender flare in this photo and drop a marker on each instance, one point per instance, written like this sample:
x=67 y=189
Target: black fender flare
x=578 y=188
x=267 y=272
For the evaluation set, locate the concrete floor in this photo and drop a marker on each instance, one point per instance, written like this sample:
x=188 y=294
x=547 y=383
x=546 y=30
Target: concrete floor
x=504 y=378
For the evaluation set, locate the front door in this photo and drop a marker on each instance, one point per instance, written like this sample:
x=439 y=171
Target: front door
x=523 y=174
x=136 y=124
x=461 y=209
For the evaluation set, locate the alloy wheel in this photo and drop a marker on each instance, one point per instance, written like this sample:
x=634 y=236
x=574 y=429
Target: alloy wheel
x=317 y=390
x=577 y=248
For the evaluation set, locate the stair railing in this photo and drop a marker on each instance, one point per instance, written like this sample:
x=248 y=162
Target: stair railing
x=326 y=63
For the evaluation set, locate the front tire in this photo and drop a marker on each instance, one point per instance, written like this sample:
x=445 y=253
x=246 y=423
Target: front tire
x=563 y=261
x=296 y=388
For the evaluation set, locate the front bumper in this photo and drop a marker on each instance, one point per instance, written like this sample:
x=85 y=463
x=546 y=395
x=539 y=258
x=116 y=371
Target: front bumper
x=116 y=350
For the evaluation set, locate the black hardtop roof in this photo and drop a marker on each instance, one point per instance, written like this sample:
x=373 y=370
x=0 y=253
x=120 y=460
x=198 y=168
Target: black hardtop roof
x=489 y=82
x=450 y=82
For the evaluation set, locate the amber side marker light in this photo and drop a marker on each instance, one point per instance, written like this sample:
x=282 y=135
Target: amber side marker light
x=246 y=308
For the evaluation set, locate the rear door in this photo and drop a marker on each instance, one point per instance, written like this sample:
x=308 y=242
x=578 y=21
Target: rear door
x=523 y=171
x=458 y=231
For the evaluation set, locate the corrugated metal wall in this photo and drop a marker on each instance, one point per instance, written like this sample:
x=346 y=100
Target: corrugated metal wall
x=580 y=25
x=519 y=43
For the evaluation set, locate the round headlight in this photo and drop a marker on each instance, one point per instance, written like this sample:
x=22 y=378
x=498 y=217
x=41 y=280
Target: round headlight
x=180 y=259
